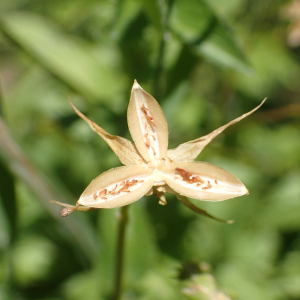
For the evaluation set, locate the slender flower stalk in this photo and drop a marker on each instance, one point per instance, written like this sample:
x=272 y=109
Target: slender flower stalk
x=120 y=253
x=151 y=168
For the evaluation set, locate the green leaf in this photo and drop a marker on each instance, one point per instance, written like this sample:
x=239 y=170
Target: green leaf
x=140 y=235
x=128 y=11
x=190 y=19
x=221 y=48
x=268 y=77
x=181 y=70
x=153 y=10
x=196 y=24
x=72 y=60
x=284 y=213
x=33 y=258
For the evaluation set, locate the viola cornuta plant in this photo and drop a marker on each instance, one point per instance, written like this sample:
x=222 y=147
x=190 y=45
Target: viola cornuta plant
x=151 y=168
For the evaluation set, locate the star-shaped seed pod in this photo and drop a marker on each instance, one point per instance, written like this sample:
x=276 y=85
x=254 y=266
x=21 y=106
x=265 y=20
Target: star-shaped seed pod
x=151 y=168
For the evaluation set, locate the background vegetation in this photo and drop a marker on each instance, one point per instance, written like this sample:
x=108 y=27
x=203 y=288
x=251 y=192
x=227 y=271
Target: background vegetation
x=206 y=63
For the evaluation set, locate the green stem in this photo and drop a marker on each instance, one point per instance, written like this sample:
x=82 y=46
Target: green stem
x=157 y=90
x=165 y=8
x=120 y=253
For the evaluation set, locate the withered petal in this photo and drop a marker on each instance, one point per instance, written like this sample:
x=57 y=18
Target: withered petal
x=200 y=211
x=147 y=124
x=123 y=148
x=117 y=187
x=203 y=181
x=190 y=150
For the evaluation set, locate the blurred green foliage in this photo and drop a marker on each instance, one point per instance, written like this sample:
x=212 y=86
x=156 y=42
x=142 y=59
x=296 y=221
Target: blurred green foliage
x=206 y=62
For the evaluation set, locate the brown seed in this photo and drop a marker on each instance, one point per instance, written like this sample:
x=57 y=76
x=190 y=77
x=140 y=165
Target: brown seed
x=197 y=179
x=127 y=184
x=147 y=140
x=103 y=192
x=149 y=118
x=185 y=175
x=154 y=152
x=209 y=186
x=144 y=109
x=113 y=191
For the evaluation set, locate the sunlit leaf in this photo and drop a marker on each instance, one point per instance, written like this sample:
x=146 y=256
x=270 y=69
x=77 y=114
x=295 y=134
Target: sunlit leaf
x=154 y=11
x=72 y=60
x=221 y=48
x=191 y=19
x=196 y=24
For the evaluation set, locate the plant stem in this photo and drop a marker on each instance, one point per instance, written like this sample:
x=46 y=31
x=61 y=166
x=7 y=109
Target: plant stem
x=165 y=7
x=120 y=253
x=157 y=90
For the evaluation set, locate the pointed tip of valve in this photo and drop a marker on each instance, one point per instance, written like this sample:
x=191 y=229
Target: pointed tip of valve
x=135 y=85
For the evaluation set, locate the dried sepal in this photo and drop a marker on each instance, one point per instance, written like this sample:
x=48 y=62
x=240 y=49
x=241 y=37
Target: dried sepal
x=204 y=181
x=147 y=124
x=200 y=211
x=117 y=187
x=124 y=149
x=190 y=150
